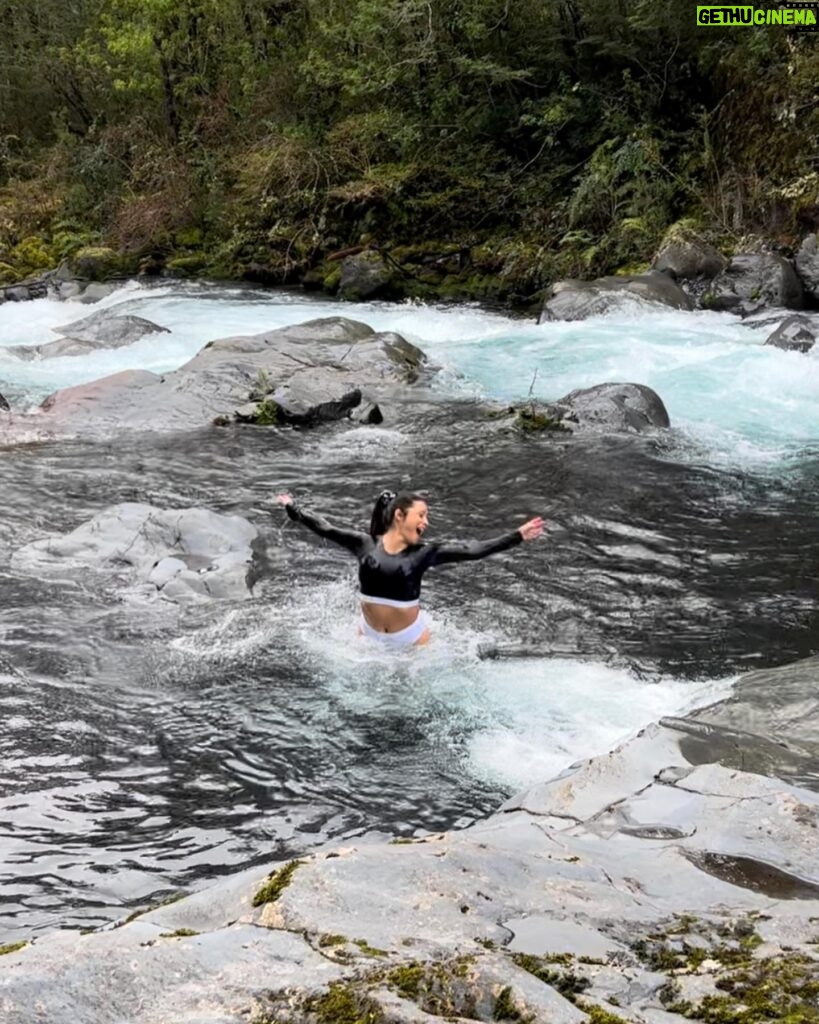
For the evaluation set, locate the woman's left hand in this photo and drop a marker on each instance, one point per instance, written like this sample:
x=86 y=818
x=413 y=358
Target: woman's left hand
x=533 y=528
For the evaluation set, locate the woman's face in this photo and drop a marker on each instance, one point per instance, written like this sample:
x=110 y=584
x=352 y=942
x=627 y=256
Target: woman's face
x=412 y=523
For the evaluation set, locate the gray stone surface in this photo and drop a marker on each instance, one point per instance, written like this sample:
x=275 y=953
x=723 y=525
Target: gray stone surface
x=182 y=555
x=577 y=300
x=752 y=281
x=613 y=407
x=688 y=256
x=807 y=265
x=110 y=329
x=364 y=276
x=794 y=334
x=313 y=372
x=629 y=872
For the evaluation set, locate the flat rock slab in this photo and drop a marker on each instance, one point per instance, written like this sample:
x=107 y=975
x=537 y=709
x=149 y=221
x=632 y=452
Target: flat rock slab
x=180 y=555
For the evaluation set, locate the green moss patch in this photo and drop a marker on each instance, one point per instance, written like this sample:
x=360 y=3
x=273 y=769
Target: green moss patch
x=566 y=982
x=369 y=950
x=530 y=421
x=343 y=1004
x=597 y=1015
x=12 y=947
x=784 y=989
x=506 y=1008
x=276 y=883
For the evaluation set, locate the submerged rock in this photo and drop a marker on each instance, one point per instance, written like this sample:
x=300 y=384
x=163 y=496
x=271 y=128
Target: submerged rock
x=180 y=555
x=110 y=329
x=795 y=334
x=577 y=300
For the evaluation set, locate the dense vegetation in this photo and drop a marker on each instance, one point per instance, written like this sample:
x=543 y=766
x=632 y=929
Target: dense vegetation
x=500 y=140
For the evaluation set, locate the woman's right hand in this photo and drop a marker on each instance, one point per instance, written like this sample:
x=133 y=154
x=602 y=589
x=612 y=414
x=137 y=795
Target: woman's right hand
x=284 y=499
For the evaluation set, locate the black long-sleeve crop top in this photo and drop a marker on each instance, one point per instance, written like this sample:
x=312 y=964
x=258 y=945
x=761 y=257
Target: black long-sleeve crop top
x=397 y=578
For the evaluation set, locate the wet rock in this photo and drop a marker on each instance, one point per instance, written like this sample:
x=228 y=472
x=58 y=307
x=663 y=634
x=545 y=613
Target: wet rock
x=305 y=374
x=473 y=924
x=110 y=329
x=96 y=291
x=364 y=276
x=612 y=407
x=181 y=555
x=54 y=349
x=807 y=266
x=577 y=300
x=795 y=334
x=368 y=413
x=752 y=281
x=688 y=256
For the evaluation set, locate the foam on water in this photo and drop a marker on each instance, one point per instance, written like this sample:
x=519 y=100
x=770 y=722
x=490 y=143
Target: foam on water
x=733 y=400
x=510 y=723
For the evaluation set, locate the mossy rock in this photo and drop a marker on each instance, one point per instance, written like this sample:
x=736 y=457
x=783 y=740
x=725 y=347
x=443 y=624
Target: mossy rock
x=186 y=266
x=99 y=263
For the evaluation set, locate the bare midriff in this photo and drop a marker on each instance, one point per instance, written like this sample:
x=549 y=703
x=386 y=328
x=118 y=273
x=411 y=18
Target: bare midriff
x=386 y=619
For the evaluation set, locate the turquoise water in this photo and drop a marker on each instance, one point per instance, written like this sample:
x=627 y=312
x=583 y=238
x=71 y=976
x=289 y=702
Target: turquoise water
x=731 y=398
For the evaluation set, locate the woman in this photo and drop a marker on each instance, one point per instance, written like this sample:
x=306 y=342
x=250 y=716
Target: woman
x=392 y=559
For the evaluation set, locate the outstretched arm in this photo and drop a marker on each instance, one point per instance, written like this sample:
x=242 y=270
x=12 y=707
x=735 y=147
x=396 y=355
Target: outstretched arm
x=352 y=540
x=471 y=551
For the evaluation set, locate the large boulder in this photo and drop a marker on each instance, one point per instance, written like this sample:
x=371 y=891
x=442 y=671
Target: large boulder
x=180 y=555
x=612 y=407
x=807 y=266
x=794 y=334
x=687 y=256
x=577 y=300
x=752 y=281
x=306 y=373
x=4 y=405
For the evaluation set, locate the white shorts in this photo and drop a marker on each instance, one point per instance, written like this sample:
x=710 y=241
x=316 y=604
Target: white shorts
x=403 y=638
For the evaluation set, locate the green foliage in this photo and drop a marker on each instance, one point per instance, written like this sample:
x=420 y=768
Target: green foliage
x=266 y=135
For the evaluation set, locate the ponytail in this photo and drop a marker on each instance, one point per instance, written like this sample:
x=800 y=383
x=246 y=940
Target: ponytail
x=386 y=505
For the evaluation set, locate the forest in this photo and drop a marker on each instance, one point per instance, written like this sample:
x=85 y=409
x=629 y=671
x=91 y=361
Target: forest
x=485 y=147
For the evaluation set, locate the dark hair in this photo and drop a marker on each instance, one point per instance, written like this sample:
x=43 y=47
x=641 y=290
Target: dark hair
x=386 y=505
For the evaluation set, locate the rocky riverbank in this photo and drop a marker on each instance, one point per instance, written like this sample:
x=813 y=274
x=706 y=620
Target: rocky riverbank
x=687 y=271
x=647 y=885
